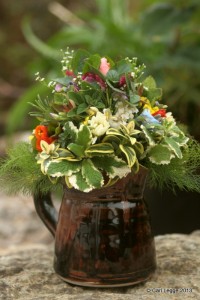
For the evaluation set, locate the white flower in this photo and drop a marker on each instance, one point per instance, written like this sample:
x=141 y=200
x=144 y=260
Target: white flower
x=98 y=124
x=170 y=118
x=124 y=113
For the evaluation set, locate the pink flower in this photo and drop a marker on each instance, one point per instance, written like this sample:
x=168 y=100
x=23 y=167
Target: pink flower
x=104 y=66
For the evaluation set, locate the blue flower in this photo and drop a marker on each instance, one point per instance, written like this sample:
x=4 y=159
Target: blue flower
x=147 y=117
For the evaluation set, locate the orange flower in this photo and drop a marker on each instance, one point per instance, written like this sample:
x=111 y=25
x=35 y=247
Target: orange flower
x=41 y=132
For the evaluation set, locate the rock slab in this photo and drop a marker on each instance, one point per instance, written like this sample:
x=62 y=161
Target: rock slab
x=26 y=273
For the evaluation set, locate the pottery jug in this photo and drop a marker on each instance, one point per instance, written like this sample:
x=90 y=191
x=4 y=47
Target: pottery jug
x=103 y=238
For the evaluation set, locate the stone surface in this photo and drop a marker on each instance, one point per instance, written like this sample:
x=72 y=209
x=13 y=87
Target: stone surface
x=27 y=273
x=26 y=263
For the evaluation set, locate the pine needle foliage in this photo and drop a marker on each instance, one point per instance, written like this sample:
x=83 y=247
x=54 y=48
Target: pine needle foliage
x=183 y=174
x=20 y=173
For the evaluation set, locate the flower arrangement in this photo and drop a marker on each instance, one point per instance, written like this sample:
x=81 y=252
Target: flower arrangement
x=101 y=121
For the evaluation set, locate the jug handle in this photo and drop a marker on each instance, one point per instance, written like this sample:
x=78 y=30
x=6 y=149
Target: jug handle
x=46 y=211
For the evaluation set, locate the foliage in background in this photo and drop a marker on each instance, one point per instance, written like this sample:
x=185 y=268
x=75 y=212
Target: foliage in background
x=164 y=35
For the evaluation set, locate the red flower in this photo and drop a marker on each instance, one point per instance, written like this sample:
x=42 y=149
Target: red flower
x=69 y=73
x=122 y=80
x=161 y=112
x=90 y=77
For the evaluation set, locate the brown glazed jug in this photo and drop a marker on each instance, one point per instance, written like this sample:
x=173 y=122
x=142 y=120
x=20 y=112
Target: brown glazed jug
x=103 y=238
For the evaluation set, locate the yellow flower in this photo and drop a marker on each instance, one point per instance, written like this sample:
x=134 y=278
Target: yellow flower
x=148 y=105
x=85 y=122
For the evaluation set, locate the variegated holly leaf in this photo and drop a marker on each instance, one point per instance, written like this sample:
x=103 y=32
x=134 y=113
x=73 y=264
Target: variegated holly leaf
x=91 y=174
x=71 y=129
x=65 y=154
x=114 y=131
x=61 y=168
x=139 y=149
x=84 y=136
x=160 y=154
x=78 y=182
x=174 y=146
x=129 y=153
x=148 y=135
x=78 y=150
x=99 y=149
x=113 y=166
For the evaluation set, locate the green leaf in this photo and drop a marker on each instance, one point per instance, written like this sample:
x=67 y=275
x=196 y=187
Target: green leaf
x=84 y=136
x=63 y=80
x=100 y=149
x=78 y=150
x=79 y=60
x=154 y=95
x=59 y=168
x=123 y=67
x=91 y=174
x=113 y=76
x=160 y=154
x=134 y=98
x=93 y=61
x=174 y=146
x=60 y=98
x=76 y=97
x=129 y=153
x=81 y=108
x=149 y=83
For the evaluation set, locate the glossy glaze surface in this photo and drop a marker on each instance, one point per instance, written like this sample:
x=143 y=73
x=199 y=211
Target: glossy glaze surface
x=103 y=238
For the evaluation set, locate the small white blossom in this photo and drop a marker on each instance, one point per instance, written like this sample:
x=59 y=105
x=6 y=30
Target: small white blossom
x=98 y=124
x=124 y=113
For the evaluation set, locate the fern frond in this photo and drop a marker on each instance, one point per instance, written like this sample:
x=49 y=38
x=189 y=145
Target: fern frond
x=180 y=173
x=19 y=172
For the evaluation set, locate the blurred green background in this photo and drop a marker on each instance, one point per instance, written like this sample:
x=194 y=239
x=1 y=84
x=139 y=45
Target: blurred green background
x=165 y=35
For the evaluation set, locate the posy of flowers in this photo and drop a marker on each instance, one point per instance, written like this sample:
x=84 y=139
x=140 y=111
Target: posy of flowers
x=101 y=121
